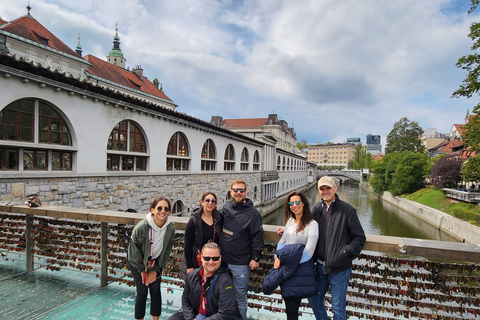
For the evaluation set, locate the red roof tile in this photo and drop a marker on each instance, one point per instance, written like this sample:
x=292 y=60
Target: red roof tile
x=29 y=28
x=244 y=123
x=460 y=128
x=2 y=21
x=452 y=144
x=108 y=71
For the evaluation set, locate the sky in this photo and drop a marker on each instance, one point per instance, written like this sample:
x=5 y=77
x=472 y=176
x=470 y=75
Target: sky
x=332 y=69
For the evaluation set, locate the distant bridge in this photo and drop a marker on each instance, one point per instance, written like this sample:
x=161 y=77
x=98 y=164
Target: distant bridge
x=343 y=176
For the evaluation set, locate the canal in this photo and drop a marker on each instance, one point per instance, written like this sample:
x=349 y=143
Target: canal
x=377 y=217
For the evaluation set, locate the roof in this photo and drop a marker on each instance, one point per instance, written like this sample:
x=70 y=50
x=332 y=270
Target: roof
x=450 y=146
x=460 y=128
x=110 y=72
x=29 y=28
x=2 y=21
x=244 y=123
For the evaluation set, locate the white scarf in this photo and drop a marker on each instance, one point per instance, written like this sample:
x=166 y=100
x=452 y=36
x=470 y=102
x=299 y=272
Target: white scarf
x=157 y=236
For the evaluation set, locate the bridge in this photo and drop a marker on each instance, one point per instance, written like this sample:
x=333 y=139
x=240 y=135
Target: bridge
x=342 y=175
x=389 y=281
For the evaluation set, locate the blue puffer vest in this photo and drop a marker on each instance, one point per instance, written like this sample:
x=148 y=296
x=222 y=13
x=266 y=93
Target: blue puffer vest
x=296 y=279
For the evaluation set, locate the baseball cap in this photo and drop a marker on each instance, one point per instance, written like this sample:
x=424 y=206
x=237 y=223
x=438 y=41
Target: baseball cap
x=326 y=181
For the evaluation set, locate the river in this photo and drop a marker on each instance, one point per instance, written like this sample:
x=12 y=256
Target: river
x=376 y=216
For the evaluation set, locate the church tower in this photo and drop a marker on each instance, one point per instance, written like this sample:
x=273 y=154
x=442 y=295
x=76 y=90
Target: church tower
x=116 y=55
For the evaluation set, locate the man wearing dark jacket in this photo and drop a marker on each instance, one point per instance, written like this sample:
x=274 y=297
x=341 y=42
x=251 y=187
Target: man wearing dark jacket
x=209 y=292
x=241 y=240
x=341 y=239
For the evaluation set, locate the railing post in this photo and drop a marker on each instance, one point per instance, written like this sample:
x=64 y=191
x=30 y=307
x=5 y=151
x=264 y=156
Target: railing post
x=29 y=242
x=104 y=254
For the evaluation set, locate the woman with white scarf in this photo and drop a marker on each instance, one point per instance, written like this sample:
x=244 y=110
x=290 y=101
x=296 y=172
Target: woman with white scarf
x=150 y=246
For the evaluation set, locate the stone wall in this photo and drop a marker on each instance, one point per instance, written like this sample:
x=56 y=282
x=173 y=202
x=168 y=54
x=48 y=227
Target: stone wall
x=124 y=192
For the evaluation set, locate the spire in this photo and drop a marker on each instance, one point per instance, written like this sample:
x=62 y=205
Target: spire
x=115 y=56
x=78 y=49
x=28 y=7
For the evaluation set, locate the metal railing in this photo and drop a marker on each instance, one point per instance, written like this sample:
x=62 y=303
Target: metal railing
x=392 y=278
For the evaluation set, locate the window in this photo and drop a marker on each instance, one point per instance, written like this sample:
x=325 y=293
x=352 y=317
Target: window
x=178 y=155
x=283 y=164
x=229 y=158
x=279 y=164
x=255 y=193
x=36 y=122
x=177 y=209
x=125 y=146
x=256 y=161
x=209 y=161
x=244 y=160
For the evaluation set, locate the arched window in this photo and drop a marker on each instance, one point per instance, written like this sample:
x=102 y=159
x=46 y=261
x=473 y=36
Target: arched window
x=288 y=163
x=178 y=154
x=209 y=159
x=256 y=161
x=177 y=208
x=244 y=160
x=283 y=164
x=229 y=158
x=125 y=146
x=36 y=122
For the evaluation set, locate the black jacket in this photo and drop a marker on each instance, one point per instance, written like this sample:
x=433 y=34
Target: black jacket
x=223 y=305
x=193 y=240
x=242 y=236
x=345 y=236
x=296 y=279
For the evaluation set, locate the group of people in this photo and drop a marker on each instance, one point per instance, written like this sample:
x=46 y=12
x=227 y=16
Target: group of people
x=222 y=247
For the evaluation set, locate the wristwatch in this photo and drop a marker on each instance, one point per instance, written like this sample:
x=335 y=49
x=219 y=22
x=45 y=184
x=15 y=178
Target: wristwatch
x=256 y=259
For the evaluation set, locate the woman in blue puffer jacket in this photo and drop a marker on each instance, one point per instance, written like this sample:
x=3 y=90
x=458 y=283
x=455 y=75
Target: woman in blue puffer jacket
x=294 y=269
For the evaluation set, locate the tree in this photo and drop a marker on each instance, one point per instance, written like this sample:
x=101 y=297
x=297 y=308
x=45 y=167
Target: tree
x=471 y=84
x=302 y=145
x=405 y=136
x=445 y=172
x=155 y=82
x=398 y=173
x=361 y=158
x=471 y=169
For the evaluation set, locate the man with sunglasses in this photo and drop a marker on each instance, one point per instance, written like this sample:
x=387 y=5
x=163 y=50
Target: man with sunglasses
x=341 y=239
x=241 y=240
x=209 y=292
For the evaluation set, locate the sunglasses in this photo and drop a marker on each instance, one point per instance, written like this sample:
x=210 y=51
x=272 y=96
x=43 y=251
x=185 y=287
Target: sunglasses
x=208 y=258
x=295 y=202
x=160 y=208
x=213 y=201
x=238 y=190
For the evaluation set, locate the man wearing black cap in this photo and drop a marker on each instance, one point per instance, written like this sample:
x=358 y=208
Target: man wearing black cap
x=341 y=239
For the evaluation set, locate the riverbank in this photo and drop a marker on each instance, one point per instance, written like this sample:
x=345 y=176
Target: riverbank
x=461 y=230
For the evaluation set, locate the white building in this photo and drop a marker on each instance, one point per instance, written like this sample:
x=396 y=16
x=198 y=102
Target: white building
x=81 y=131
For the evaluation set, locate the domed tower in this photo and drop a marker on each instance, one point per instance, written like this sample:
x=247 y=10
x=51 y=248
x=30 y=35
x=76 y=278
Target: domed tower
x=116 y=55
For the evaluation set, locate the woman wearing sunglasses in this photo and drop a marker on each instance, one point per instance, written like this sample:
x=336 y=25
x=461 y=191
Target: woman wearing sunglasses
x=294 y=268
x=204 y=225
x=150 y=246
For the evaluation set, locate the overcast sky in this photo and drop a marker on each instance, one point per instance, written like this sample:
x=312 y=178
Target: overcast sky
x=331 y=69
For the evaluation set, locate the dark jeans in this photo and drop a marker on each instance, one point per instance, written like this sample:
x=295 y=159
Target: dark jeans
x=142 y=292
x=291 y=307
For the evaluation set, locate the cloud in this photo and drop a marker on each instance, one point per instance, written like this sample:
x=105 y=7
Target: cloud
x=332 y=69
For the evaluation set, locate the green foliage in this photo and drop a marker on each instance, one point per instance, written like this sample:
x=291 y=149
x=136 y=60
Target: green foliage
x=399 y=173
x=155 y=82
x=471 y=169
x=471 y=84
x=361 y=158
x=302 y=144
x=405 y=136
x=409 y=174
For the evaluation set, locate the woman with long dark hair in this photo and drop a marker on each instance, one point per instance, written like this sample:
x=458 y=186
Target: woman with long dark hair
x=295 y=255
x=204 y=225
x=150 y=246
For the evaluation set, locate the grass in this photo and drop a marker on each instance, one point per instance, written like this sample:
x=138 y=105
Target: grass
x=436 y=199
